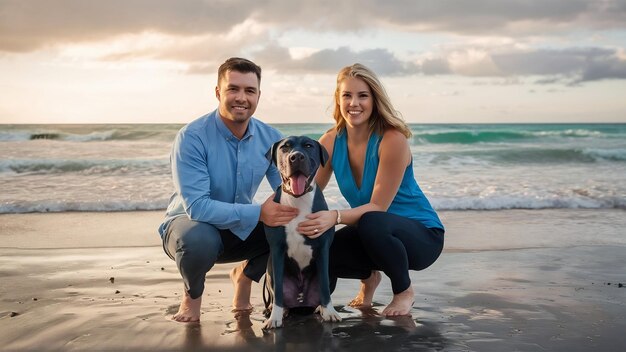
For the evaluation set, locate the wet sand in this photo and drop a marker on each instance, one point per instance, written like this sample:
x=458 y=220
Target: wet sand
x=541 y=280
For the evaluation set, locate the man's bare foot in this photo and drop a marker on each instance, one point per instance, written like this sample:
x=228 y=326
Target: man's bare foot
x=401 y=303
x=368 y=286
x=243 y=286
x=189 y=310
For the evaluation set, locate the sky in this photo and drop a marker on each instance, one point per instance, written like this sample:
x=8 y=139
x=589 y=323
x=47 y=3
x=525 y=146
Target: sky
x=441 y=61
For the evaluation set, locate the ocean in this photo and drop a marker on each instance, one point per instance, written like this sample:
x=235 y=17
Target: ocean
x=55 y=168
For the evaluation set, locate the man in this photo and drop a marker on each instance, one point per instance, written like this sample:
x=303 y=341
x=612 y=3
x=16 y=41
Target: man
x=218 y=162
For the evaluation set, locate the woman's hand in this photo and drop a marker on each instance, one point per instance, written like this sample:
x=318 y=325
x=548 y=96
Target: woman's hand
x=317 y=223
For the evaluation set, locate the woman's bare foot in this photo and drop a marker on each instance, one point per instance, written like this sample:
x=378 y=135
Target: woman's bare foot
x=401 y=303
x=368 y=286
x=189 y=310
x=243 y=286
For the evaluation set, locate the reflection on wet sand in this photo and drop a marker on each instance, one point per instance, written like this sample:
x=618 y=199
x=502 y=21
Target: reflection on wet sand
x=509 y=281
x=361 y=329
x=193 y=337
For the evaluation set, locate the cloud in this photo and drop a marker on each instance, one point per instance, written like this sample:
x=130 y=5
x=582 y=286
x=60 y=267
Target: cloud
x=330 y=61
x=565 y=66
x=478 y=16
x=569 y=66
x=548 y=62
x=605 y=67
x=27 y=25
x=577 y=64
x=437 y=66
x=511 y=17
x=201 y=33
x=202 y=54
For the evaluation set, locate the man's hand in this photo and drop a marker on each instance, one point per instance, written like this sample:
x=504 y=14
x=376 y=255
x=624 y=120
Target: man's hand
x=274 y=214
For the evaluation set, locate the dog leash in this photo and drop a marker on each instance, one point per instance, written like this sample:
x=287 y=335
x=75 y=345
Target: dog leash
x=267 y=295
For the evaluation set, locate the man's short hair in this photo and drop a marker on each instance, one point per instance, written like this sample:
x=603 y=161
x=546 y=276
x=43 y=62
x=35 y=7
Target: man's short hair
x=240 y=65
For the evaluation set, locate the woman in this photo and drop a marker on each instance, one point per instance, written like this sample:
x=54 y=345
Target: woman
x=391 y=226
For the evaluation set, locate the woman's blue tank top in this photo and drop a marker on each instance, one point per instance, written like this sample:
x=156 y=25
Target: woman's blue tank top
x=409 y=202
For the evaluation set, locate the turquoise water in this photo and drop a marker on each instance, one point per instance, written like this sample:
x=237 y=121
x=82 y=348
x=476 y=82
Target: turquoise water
x=460 y=166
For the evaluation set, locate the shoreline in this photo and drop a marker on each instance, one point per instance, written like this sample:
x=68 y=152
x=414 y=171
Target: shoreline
x=516 y=228
x=529 y=280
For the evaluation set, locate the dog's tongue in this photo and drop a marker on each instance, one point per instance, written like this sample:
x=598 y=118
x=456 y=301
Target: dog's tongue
x=298 y=183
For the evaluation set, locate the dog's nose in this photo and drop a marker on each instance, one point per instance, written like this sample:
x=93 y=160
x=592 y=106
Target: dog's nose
x=296 y=157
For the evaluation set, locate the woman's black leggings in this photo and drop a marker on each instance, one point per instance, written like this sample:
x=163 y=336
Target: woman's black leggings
x=386 y=242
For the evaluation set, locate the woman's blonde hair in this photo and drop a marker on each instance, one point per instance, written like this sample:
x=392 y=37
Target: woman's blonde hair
x=383 y=114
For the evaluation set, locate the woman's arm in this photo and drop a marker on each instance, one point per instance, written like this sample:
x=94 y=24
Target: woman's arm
x=395 y=156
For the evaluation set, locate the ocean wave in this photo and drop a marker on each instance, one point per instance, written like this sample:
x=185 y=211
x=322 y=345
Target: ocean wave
x=85 y=133
x=542 y=156
x=6 y=136
x=56 y=136
x=520 y=155
x=423 y=134
x=606 y=154
x=513 y=135
x=569 y=133
x=98 y=206
x=467 y=137
x=90 y=166
x=93 y=136
x=527 y=202
x=439 y=203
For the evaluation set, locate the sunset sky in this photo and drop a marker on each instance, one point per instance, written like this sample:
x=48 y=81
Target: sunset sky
x=442 y=61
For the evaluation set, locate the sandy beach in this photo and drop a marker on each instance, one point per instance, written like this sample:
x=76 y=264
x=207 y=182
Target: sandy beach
x=524 y=280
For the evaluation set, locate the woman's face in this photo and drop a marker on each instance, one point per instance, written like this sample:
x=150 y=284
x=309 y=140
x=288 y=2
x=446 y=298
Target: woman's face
x=355 y=101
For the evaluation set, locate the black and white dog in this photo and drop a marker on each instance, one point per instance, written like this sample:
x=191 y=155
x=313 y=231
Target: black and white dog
x=297 y=270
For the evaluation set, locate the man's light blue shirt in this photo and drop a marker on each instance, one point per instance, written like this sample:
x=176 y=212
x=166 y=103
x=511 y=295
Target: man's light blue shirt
x=216 y=175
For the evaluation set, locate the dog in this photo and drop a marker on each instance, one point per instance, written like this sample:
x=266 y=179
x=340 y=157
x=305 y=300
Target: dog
x=297 y=269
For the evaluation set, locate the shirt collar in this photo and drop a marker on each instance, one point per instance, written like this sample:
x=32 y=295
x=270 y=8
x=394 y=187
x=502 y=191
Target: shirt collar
x=227 y=134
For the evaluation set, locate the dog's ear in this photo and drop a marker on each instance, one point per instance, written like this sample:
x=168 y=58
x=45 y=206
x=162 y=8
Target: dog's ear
x=323 y=154
x=271 y=153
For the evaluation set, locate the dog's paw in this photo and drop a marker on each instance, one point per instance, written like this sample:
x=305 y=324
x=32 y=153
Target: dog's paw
x=328 y=313
x=275 y=320
x=272 y=324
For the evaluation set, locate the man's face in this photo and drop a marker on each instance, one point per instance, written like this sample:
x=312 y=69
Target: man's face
x=238 y=94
